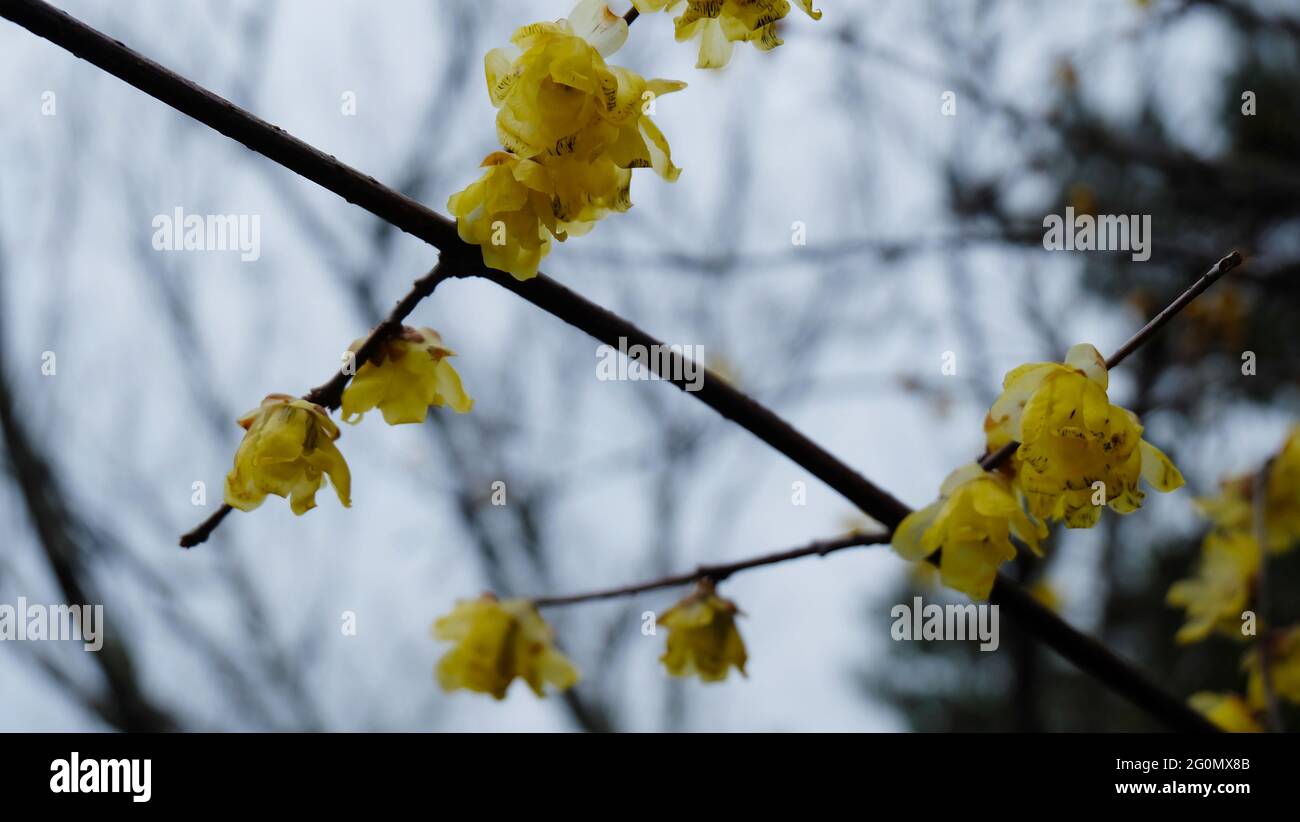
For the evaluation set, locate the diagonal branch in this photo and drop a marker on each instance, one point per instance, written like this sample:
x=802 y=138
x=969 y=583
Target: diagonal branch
x=404 y=213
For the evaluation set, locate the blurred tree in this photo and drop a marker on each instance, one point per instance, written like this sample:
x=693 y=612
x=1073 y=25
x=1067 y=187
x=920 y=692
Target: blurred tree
x=1238 y=189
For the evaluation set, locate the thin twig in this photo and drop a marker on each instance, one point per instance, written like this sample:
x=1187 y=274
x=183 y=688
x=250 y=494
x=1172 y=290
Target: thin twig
x=200 y=533
x=189 y=98
x=719 y=572
x=1265 y=627
x=1197 y=288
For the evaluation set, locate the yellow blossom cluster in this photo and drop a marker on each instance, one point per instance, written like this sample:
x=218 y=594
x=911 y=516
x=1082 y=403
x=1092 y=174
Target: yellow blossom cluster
x=1221 y=590
x=1220 y=596
x=720 y=24
x=1223 y=587
x=1076 y=453
x=573 y=128
x=288 y=449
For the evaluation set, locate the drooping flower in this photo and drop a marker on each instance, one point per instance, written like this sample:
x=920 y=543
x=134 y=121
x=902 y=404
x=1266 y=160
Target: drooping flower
x=1071 y=437
x=972 y=522
x=497 y=641
x=1234 y=506
x=1284 y=668
x=552 y=81
x=410 y=373
x=287 y=451
x=1221 y=590
x=1227 y=710
x=720 y=24
x=702 y=636
x=556 y=96
x=573 y=128
x=508 y=213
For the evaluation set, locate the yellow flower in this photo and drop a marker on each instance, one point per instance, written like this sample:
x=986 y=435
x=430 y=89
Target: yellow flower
x=702 y=636
x=573 y=128
x=1284 y=667
x=557 y=96
x=496 y=642
x=409 y=373
x=1072 y=437
x=553 y=80
x=719 y=24
x=1222 y=587
x=508 y=213
x=972 y=522
x=1229 y=711
x=288 y=450
x=1234 y=506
